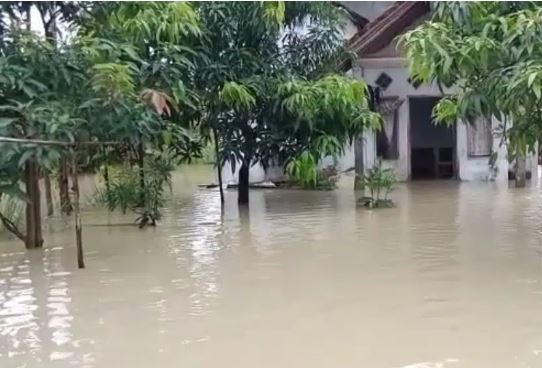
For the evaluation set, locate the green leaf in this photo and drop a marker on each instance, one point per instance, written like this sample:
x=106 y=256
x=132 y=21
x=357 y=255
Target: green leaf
x=7 y=121
x=25 y=156
x=537 y=90
x=531 y=79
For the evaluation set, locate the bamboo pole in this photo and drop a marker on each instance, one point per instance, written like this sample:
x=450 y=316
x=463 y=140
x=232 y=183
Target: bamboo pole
x=218 y=167
x=5 y=139
x=77 y=213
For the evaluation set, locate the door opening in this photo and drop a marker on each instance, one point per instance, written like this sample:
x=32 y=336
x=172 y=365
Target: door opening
x=432 y=146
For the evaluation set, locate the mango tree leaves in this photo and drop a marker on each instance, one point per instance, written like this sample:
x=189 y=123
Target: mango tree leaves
x=489 y=52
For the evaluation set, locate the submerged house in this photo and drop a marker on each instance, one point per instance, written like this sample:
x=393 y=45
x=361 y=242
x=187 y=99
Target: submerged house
x=409 y=141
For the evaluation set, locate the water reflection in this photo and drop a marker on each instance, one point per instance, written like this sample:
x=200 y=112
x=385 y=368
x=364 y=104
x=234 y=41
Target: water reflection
x=298 y=278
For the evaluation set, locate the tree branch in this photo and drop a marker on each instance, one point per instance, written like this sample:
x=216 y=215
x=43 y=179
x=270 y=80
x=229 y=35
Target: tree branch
x=55 y=142
x=11 y=227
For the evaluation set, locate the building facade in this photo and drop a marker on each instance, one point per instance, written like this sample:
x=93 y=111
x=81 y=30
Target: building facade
x=409 y=141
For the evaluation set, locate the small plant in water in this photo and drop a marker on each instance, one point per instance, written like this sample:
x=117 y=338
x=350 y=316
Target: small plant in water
x=303 y=170
x=380 y=183
x=125 y=193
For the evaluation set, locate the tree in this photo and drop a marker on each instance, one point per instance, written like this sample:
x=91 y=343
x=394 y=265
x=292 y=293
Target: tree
x=253 y=51
x=59 y=91
x=35 y=80
x=149 y=99
x=490 y=53
x=327 y=114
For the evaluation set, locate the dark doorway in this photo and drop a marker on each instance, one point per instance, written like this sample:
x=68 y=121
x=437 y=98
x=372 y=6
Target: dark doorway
x=432 y=146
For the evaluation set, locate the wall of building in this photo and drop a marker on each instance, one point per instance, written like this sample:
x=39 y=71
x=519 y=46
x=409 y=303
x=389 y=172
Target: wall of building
x=256 y=174
x=469 y=168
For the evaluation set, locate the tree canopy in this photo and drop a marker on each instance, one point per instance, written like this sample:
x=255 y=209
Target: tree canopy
x=490 y=52
x=159 y=79
x=266 y=84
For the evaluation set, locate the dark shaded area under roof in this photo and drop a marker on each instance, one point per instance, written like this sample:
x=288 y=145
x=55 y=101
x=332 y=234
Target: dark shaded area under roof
x=381 y=30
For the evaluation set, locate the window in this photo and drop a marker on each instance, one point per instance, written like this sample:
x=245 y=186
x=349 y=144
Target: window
x=383 y=81
x=387 y=136
x=479 y=138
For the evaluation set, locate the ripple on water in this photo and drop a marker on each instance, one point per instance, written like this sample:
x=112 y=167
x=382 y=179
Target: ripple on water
x=298 y=278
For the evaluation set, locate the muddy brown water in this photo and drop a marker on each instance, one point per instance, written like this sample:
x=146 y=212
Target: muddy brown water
x=450 y=277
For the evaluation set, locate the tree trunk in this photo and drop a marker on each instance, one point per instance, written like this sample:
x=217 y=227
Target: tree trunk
x=218 y=167
x=63 y=187
x=106 y=179
x=37 y=205
x=48 y=195
x=243 y=188
x=34 y=238
x=141 y=164
x=358 y=163
x=77 y=215
x=520 y=171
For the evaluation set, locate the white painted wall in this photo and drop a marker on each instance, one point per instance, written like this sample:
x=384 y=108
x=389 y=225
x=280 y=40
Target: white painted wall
x=478 y=168
x=470 y=169
x=256 y=174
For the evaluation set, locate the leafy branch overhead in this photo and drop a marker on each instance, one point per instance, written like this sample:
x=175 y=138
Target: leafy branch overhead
x=489 y=51
x=162 y=78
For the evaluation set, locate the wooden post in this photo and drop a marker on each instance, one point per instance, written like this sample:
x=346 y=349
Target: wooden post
x=77 y=213
x=358 y=163
x=141 y=165
x=218 y=166
x=34 y=238
x=29 y=214
x=48 y=195
x=63 y=186
x=37 y=205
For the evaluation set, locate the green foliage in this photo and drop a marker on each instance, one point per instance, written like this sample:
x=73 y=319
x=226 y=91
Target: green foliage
x=380 y=184
x=320 y=117
x=266 y=85
x=304 y=171
x=490 y=52
x=236 y=96
x=124 y=190
x=112 y=80
x=122 y=75
x=39 y=90
x=332 y=105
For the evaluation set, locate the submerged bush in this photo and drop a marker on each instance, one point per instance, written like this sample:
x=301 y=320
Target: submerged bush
x=380 y=183
x=303 y=171
x=124 y=190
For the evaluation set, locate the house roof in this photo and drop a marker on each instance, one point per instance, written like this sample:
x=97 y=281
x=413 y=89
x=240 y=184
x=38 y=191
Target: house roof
x=357 y=20
x=383 y=29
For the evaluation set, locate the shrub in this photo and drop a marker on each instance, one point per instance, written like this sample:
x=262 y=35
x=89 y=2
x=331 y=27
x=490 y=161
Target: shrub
x=380 y=183
x=125 y=193
x=304 y=171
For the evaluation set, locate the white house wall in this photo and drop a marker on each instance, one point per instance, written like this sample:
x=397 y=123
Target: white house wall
x=256 y=174
x=469 y=168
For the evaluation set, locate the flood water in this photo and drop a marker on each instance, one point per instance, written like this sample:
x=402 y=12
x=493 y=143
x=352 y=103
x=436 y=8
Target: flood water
x=450 y=277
